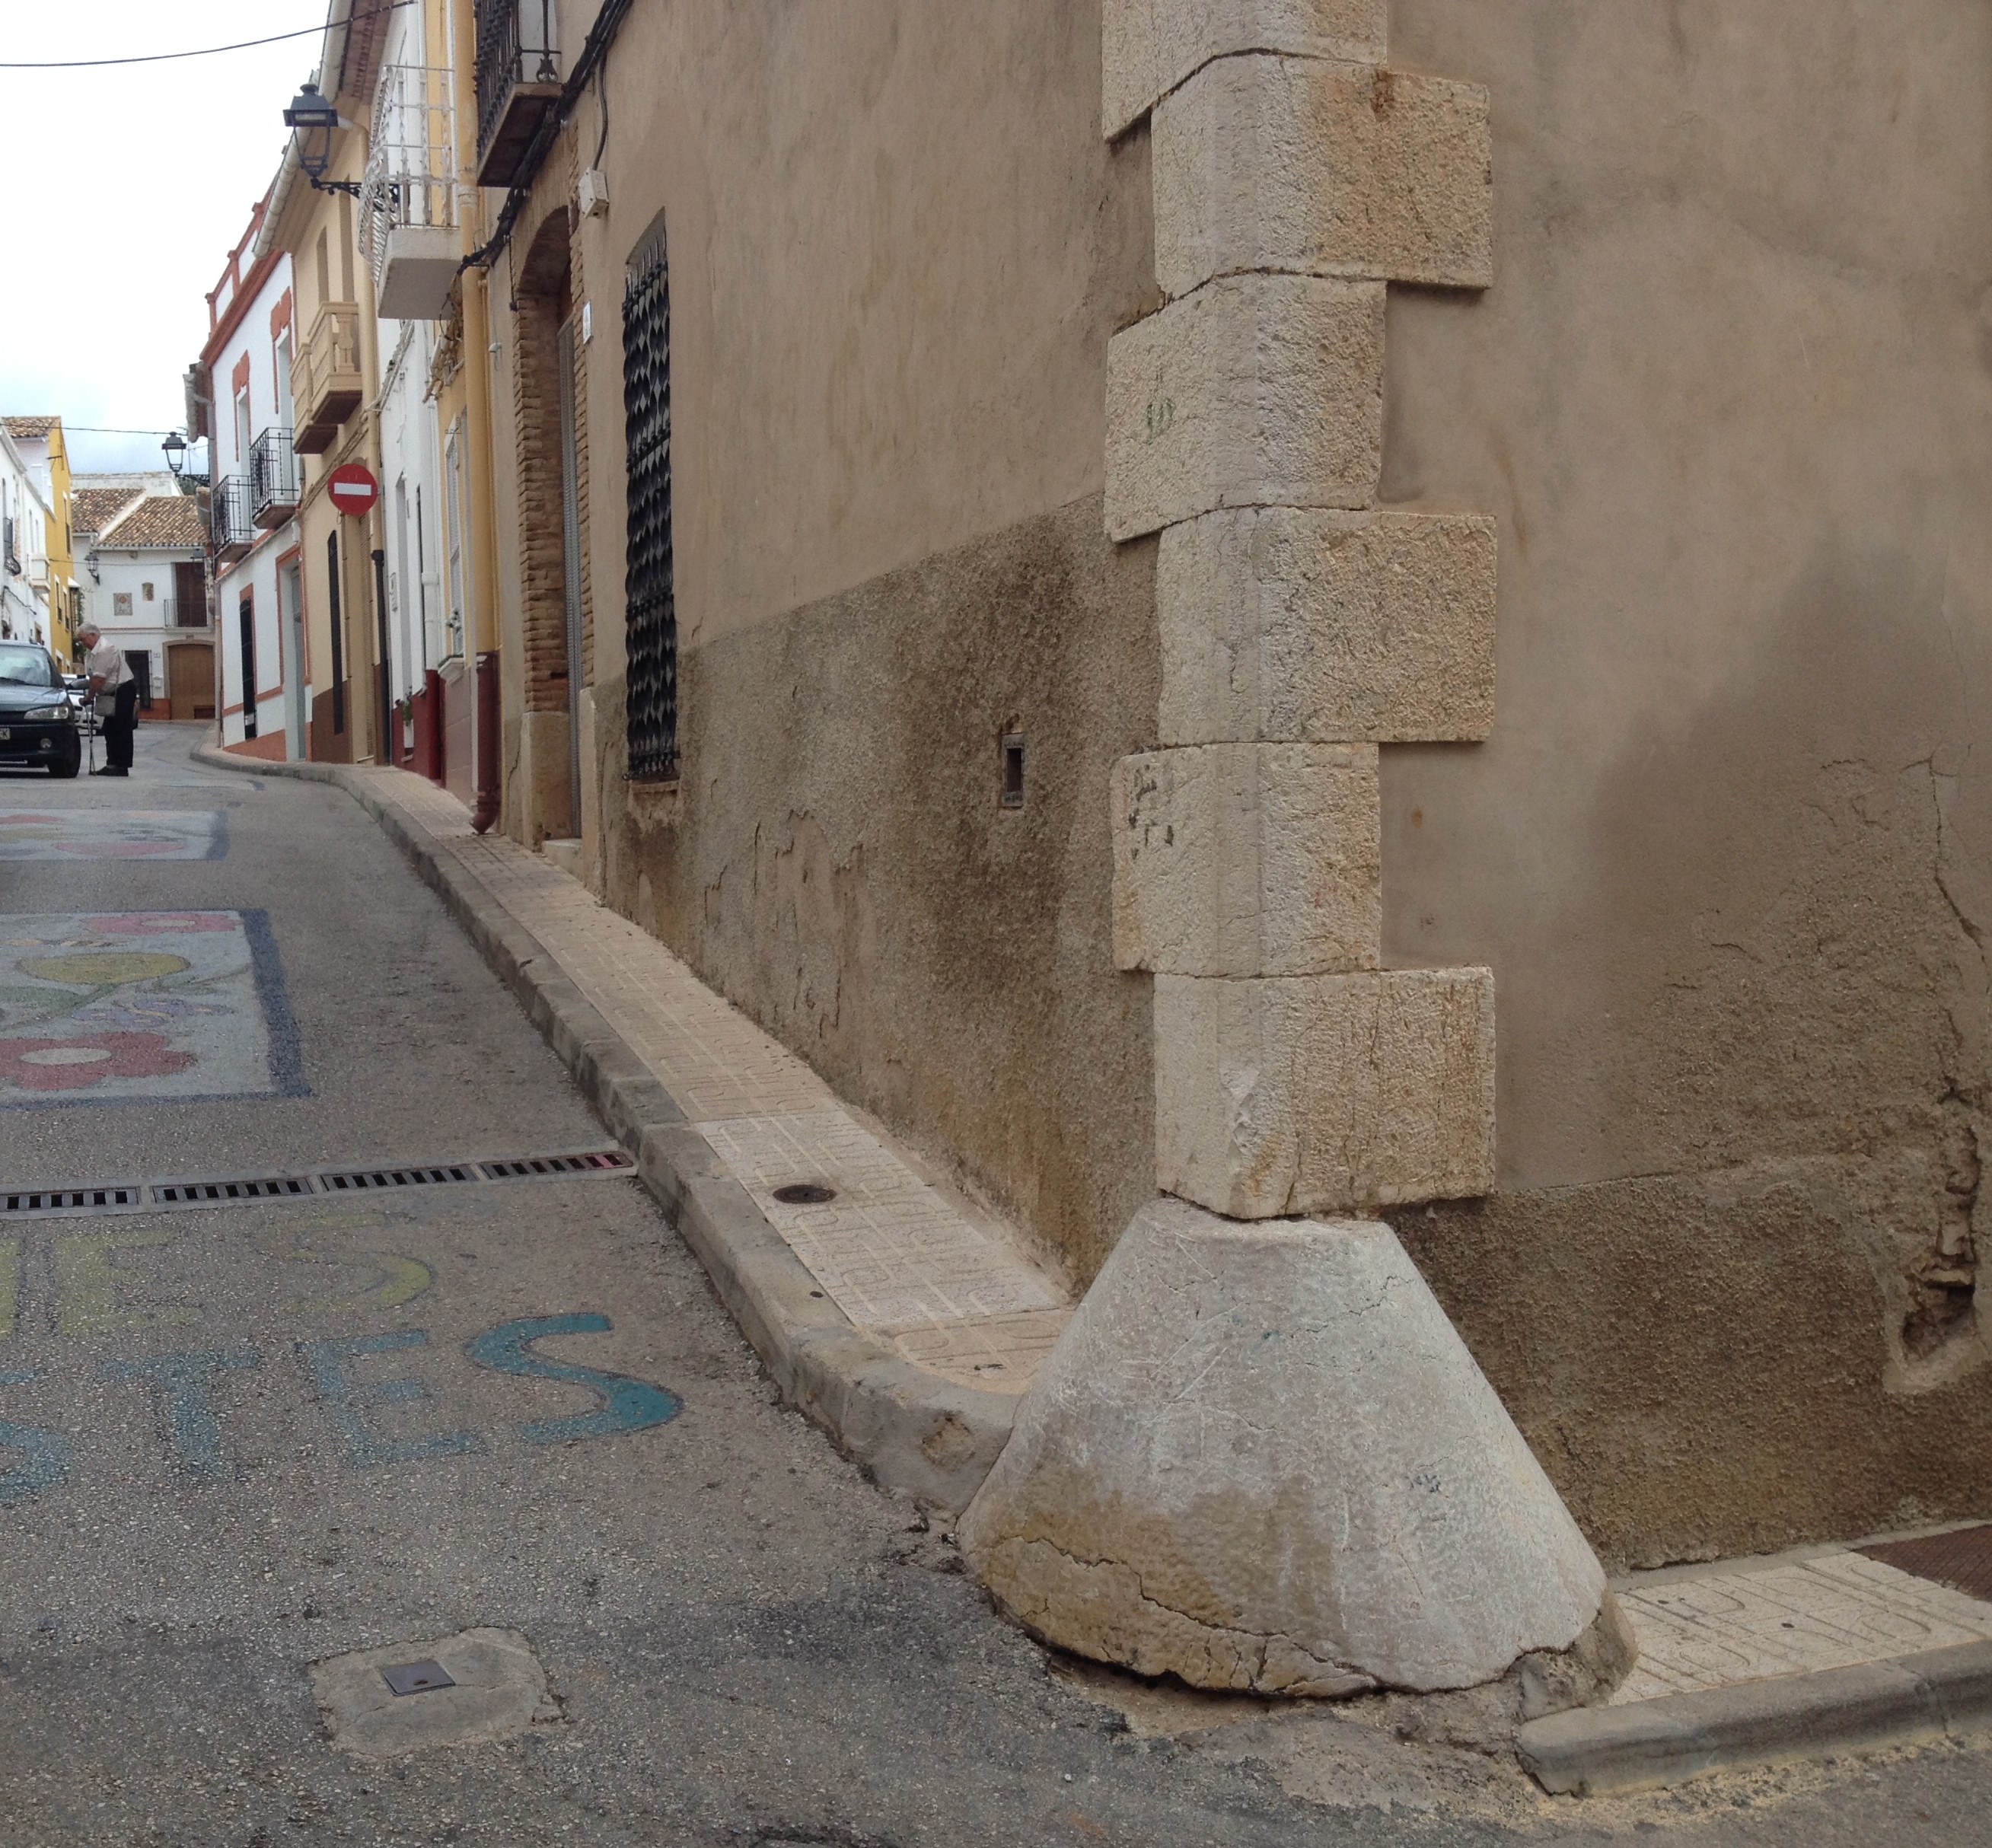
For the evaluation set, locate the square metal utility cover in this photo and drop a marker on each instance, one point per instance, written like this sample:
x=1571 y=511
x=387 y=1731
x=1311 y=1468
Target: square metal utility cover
x=417 y=1677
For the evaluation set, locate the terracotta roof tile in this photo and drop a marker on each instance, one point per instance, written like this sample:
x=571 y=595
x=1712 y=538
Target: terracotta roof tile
x=160 y=520
x=91 y=509
x=29 y=426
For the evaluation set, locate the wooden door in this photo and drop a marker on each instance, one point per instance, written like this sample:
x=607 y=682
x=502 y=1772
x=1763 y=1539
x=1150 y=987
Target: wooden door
x=190 y=679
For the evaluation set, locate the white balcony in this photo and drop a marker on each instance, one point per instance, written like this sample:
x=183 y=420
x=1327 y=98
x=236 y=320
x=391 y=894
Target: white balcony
x=408 y=218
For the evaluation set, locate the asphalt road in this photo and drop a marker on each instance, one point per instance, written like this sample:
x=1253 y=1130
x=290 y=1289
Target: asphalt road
x=245 y=1440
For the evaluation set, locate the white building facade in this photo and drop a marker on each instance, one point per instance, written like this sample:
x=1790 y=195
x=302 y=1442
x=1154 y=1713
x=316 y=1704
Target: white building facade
x=24 y=515
x=256 y=480
x=409 y=211
x=144 y=585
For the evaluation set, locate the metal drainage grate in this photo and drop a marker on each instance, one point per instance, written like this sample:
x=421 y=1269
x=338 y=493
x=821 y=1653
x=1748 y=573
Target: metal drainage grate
x=73 y=1199
x=357 y=1180
x=805 y=1193
x=224 y=1190
x=205 y=1193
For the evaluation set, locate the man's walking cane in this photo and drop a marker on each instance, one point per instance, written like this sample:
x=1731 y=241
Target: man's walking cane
x=90 y=731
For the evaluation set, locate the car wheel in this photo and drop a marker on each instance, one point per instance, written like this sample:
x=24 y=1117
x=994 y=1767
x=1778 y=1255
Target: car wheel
x=67 y=769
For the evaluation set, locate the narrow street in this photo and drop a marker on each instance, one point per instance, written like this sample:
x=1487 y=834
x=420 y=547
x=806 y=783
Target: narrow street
x=268 y=1433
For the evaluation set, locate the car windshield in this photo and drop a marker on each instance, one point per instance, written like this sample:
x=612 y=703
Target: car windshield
x=26 y=665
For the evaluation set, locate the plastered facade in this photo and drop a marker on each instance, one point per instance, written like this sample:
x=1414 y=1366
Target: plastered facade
x=1258 y=385
x=887 y=471
x=1724 y=847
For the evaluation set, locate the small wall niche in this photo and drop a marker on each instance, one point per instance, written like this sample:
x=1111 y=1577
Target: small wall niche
x=1013 y=770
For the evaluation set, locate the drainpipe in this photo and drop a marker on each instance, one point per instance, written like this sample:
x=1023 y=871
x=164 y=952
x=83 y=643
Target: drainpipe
x=486 y=810
x=385 y=753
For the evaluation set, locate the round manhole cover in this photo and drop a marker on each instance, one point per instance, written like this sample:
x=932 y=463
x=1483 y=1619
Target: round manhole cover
x=805 y=1193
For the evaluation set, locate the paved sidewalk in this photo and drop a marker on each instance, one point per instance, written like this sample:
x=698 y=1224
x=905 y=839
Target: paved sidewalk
x=917 y=1273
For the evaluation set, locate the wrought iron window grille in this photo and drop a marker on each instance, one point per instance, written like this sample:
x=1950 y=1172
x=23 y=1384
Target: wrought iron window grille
x=652 y=695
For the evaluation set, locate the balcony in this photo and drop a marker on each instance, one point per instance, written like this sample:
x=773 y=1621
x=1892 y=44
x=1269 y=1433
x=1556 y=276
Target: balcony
x=38 y=571
x=325 y=381
x=230 y=530
x=273 y=479
x=518 y=83
x=407 y=198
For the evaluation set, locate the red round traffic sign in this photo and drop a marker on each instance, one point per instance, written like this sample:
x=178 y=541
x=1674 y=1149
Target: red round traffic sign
x=353 y=489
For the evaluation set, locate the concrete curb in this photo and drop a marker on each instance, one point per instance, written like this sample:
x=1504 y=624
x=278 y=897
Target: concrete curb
x=913 y=1431
x=1595 y=1750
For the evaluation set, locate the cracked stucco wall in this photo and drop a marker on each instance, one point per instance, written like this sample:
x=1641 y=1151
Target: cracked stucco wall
x=1729 y=848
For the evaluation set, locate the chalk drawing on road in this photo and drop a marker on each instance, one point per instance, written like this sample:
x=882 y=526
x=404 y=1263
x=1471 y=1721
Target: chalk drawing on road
x=114 y=834
x=43 y=1457
x=143 y=1007
x=396 y=1280
x=183 y=1387
x=622 y=1403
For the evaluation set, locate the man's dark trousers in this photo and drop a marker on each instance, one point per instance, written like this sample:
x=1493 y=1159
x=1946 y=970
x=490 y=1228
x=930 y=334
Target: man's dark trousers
x=118 y=727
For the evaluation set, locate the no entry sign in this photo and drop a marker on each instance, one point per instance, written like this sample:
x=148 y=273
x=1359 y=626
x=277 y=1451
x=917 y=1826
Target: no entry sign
x=353 y=489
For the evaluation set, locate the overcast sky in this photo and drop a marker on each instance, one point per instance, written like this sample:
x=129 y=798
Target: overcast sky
x=128 y=187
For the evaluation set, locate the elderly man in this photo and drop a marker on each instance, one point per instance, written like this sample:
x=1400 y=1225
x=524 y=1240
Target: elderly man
x=110 y=672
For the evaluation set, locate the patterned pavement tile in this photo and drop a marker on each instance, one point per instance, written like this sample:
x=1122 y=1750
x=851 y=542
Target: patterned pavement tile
x=1714 y=1629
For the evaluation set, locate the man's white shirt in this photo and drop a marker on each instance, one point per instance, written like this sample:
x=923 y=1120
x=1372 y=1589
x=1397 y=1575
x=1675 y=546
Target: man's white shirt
x=108 y=659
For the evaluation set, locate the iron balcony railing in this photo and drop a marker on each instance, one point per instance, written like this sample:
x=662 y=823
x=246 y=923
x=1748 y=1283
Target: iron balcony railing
x=273 y=478
x=231 y=530
x=411 y=177
x=518 y=81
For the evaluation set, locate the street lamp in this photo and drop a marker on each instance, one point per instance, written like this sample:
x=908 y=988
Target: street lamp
x=311 y=119
x=175 y=448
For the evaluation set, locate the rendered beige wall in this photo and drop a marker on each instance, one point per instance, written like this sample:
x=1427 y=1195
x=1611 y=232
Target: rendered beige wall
x=899 y=244
x=1728 y=848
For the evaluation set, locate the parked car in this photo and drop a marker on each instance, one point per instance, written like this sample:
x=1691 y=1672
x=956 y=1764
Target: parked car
x=38 y=714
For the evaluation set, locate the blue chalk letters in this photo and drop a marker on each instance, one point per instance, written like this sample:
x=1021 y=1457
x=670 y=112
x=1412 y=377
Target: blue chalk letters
x=183 y=1388
x=45 y=1454
x=343 y=1395
x=625 y=1404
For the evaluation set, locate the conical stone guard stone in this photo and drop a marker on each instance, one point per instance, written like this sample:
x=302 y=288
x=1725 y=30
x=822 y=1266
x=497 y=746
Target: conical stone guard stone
x=1261 y=1457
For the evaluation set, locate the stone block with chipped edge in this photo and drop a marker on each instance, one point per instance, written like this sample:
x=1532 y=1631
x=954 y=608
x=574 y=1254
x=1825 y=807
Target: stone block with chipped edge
x=1324 y=1093
x=1248 y=859
x=1252 y=391
x=1260 y=1458
x=1147 y=47
x=500 y=1690
x=1288 y=623
x=1324 y=169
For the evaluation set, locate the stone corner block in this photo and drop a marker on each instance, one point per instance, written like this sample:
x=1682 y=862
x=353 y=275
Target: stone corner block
x=1247 y=859
x=1325 y=170
x=1260 y=1458
x=1252 y=391
x=1295 y=623
x=1324 y=1093
x=1147 y=47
